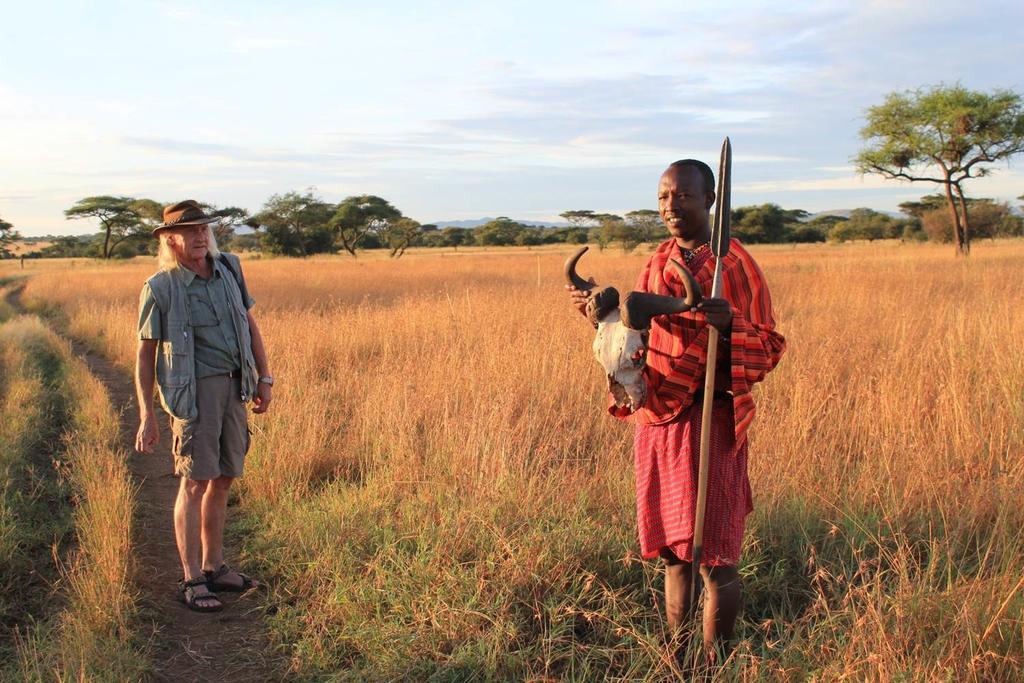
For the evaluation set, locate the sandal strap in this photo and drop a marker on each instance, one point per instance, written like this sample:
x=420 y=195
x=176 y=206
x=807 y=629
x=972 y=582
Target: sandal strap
x=224 y=570
x=192 y=583
x=213 y=575
x=190 y=594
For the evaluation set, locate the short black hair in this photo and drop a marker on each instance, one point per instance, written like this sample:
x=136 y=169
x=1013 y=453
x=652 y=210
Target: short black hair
x=705 y=171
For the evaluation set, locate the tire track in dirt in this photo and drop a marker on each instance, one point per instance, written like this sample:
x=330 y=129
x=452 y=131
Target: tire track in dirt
x=227 y=646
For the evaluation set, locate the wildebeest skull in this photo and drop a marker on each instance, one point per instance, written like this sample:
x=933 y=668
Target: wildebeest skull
x=622 y=330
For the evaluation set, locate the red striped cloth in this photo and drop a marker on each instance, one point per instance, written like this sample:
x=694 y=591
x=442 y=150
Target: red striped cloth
x=667 y=457
x=667 y=440
x=677 y=353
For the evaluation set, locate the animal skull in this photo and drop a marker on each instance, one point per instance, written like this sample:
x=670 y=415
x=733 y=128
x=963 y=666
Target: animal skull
x=620 y=345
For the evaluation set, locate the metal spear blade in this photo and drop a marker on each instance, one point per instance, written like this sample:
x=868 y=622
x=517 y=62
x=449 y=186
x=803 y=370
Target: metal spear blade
x=720 y=229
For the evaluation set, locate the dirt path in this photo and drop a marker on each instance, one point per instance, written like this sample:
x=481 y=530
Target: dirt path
x=228 y=646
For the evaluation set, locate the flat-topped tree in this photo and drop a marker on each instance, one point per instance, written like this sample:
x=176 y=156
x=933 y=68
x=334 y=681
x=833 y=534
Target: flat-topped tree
x=944 y=135
x=118 y=219
x=579 y=218
x=7 y=235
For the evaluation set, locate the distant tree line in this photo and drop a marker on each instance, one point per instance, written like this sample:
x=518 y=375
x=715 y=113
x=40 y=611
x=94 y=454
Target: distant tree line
x=302 y=224
x=943 y=135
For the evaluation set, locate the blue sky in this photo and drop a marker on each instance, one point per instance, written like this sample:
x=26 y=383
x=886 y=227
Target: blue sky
x=457 y=109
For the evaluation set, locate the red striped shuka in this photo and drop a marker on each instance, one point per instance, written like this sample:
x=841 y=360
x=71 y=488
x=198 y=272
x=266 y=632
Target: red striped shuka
x=668 y=425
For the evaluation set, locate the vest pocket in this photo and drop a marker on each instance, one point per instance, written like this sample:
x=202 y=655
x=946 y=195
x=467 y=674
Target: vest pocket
x=173 y=368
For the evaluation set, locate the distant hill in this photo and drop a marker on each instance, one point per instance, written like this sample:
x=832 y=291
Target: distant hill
x=474 y=222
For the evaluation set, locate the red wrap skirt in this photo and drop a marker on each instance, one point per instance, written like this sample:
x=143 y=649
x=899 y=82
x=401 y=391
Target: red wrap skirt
x=667 y=458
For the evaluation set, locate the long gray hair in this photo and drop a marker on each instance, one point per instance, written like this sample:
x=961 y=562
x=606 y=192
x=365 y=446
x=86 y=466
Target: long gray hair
x=167 y=260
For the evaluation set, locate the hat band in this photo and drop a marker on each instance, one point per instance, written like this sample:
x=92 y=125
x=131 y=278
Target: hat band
x=189 y=215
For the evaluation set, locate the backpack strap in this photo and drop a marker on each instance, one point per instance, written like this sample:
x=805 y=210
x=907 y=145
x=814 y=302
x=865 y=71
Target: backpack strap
x=227 y=264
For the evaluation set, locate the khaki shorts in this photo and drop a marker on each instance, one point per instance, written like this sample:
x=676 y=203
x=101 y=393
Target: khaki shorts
x=215 y=444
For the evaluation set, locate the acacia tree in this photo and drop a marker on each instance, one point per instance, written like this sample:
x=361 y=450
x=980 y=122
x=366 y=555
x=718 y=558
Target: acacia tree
x=765 y=222
x=610 y=227
x=118 y=218
x=358 y=216
x=295 y=224
x=400 y=234
x=7 y=235
x=230 y=218
x=580 y=218
x=945 y=135
x=646 y=223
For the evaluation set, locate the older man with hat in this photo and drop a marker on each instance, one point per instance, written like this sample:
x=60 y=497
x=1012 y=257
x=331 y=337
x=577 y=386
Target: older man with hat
x=199 y=342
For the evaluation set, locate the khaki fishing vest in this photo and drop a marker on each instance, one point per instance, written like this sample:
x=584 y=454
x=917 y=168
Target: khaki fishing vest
x=176 y=354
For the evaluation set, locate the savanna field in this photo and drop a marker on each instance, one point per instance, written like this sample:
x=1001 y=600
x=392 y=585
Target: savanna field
x=439 y=494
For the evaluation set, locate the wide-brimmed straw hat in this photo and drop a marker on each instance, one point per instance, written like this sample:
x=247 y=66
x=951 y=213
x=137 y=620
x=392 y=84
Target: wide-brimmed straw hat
x=183 y=214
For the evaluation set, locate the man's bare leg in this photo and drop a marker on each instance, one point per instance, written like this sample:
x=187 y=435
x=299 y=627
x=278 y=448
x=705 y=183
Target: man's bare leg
x=677 y=590
x=215 y=505
x=187 y=532
x=721 y=607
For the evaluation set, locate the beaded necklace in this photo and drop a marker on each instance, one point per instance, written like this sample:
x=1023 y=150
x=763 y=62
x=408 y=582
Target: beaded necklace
x=690 y=254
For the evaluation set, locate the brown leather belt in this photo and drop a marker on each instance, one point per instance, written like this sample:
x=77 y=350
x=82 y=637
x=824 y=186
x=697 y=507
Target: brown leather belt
x=237 y=372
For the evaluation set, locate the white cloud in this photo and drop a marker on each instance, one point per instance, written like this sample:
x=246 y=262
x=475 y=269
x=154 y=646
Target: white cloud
x=548 y=105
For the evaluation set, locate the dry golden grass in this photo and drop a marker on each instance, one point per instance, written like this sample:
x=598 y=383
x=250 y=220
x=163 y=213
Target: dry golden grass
x=440 y=492
x=21 y=247
x=83 y=628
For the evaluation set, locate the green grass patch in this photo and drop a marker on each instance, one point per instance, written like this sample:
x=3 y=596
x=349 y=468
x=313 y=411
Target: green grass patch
x=377 y=584
x=67 y=600
x=34 y=515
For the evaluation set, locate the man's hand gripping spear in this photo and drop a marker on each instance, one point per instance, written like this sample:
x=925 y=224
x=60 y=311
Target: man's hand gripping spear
x=719 y=247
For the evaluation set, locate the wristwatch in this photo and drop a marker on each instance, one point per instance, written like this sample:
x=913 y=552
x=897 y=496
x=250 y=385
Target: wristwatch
x=267 y=379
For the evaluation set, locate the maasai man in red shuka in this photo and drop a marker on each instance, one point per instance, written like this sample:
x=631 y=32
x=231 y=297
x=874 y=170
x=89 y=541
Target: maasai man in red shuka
x=668 y=424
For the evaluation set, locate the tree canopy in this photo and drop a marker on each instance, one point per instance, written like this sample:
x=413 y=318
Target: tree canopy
x=764 y=223
x=302 y=223
x=295 y=224
x=578 y=218
x=120 y=218
x=230 y=218
x=944 y=135
x=363 y=215
x=7 y=235
x=645 y=224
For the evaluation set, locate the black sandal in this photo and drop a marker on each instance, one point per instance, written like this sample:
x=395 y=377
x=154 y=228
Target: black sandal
x=191 y=600
x=213 y=584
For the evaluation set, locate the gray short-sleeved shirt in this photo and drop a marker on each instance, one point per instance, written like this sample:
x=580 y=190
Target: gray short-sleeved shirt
x=209 y=316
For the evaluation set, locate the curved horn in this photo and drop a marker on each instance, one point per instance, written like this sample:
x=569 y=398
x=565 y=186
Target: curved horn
x=570 y=272
x=640 y=307
x=693 y=294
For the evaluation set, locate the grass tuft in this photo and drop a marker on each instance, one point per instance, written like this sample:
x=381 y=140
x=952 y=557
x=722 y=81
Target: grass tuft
x=78 y=510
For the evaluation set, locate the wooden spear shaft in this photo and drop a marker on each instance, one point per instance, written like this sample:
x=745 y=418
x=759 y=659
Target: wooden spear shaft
x=705 y=445
x=719 y=247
